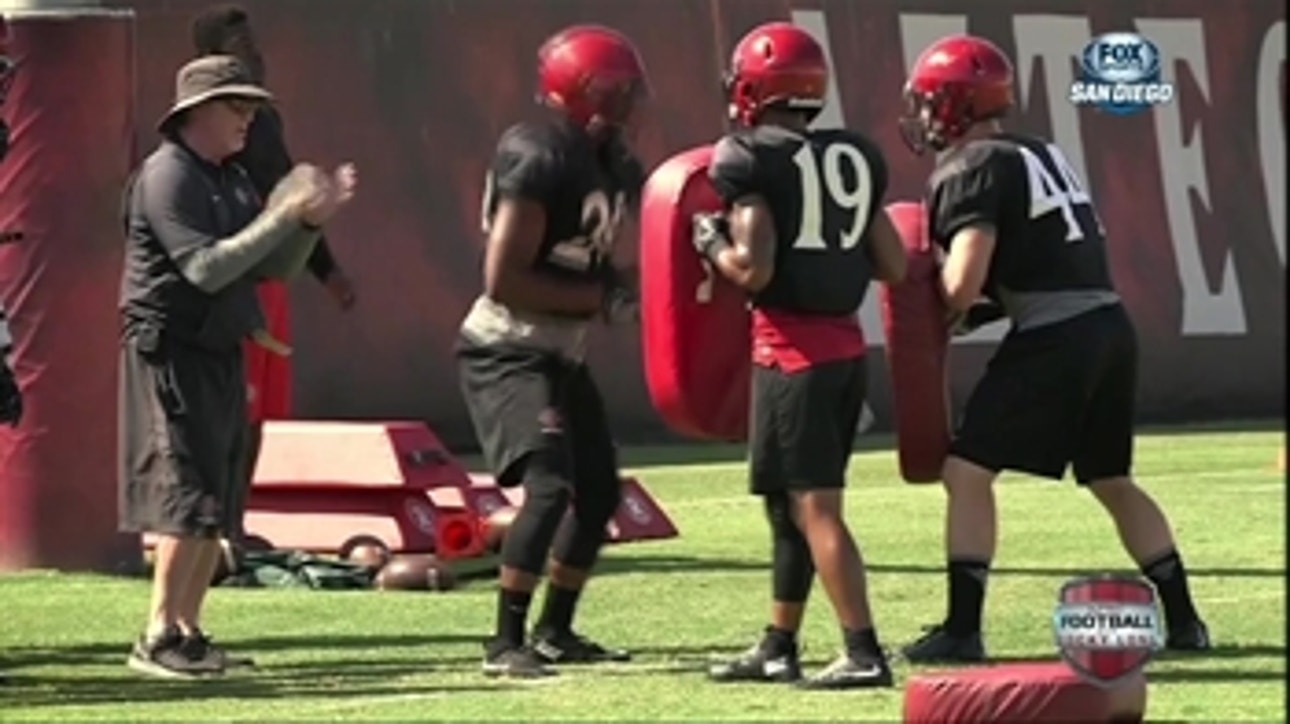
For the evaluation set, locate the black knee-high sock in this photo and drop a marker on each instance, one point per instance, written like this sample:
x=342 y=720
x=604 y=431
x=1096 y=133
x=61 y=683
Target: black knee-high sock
x=1169 y=576
x=967 y=580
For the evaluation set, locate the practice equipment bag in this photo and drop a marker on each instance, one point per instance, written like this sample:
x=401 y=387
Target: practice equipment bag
x=913 y=315
x=695 y=327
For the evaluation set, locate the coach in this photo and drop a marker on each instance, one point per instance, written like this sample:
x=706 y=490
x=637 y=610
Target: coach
x=198 y=240
x=225 y=29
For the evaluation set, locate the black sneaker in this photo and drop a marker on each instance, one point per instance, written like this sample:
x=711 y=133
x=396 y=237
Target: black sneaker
x=168 y=656
x=939 y=645
x=1191 y=636
x=851 y=672
x=516 y=662
x=200 y=646
x=567 y=647
x=764 y=662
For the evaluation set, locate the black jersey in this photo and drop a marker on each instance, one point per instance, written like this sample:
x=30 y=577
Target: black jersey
x=823 y=188
x=585 y=190
x=1050 y=246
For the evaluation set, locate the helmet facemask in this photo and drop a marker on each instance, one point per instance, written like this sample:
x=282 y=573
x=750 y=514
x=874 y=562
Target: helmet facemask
x=934 y=120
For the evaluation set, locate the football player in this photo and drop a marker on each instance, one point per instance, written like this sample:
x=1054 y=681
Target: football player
x=1018 y=226
x=553 y=205
x=803 y=232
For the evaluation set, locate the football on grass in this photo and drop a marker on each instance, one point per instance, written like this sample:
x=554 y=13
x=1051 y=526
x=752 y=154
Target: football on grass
x=415 y=572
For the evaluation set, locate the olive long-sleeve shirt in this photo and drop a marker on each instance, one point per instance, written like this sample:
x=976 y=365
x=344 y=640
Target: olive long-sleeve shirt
x=266 y=160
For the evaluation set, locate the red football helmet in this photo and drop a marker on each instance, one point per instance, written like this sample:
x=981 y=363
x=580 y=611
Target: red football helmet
x=776 y=64
x=592 y=74
x=960 y=80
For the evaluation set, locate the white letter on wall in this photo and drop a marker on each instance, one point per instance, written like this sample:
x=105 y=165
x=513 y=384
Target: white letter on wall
x=815 y=23
x=1057 y=39
x=1182 y=172
x=1272 y=139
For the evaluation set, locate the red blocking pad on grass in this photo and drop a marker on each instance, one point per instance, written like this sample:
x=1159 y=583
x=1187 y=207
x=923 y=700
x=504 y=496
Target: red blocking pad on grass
x=1023 y=692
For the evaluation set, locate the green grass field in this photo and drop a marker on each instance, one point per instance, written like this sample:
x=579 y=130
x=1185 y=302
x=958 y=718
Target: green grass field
x=348 y=655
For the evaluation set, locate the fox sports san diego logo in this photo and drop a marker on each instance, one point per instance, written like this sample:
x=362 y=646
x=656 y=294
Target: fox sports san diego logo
x=1120 y=74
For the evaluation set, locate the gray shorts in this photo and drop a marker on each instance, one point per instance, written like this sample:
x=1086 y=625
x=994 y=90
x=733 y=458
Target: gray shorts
x=183 y=440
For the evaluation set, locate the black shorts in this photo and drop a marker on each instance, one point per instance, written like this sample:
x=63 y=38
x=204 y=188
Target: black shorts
x=523 y=402
x=182 y=441
x=1056 y=396
x=803 y=424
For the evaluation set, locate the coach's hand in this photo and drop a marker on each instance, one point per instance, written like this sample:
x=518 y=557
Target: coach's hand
x=295 y=192
x=329 y=193
x=10 y=398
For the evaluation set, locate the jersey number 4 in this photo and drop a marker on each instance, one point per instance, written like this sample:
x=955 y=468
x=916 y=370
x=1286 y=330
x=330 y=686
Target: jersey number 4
x=824 y=182
x=1067 y=194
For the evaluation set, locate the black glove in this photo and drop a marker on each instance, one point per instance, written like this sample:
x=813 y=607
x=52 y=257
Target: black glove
x=711 y=234
x=10 y=398
x=981 y=313
x=621 y=303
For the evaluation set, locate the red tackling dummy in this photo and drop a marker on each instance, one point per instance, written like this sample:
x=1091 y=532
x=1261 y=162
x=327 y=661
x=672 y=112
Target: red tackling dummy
x=913 y=315
x=695 y=327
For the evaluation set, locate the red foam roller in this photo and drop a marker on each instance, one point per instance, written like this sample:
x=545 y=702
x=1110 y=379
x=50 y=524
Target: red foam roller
x=1019 y=693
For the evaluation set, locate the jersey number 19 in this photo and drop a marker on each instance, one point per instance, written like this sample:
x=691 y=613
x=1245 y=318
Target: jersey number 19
x=826 y=195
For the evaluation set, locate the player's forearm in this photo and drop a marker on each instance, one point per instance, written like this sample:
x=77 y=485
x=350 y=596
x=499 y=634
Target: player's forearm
x=887 y=251
x=535 y=292
x=227 y=260
x=958 y=297
x=736 y=265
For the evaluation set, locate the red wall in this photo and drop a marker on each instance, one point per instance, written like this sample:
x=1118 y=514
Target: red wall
x=416 y=92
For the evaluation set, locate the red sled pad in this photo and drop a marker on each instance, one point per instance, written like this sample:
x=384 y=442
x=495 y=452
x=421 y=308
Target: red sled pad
x=913 y=316
x=325 y=454
x=639 y=516
x=695 y=328
x=328 y=519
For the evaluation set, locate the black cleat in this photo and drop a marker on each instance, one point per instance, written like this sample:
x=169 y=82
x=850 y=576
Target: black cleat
x=762 y=663
x=515 y=662
x=939 y=645
x=169 y=656
x=851 y=672
x=1191 y=636
x=200 y=646
x=567 y=647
